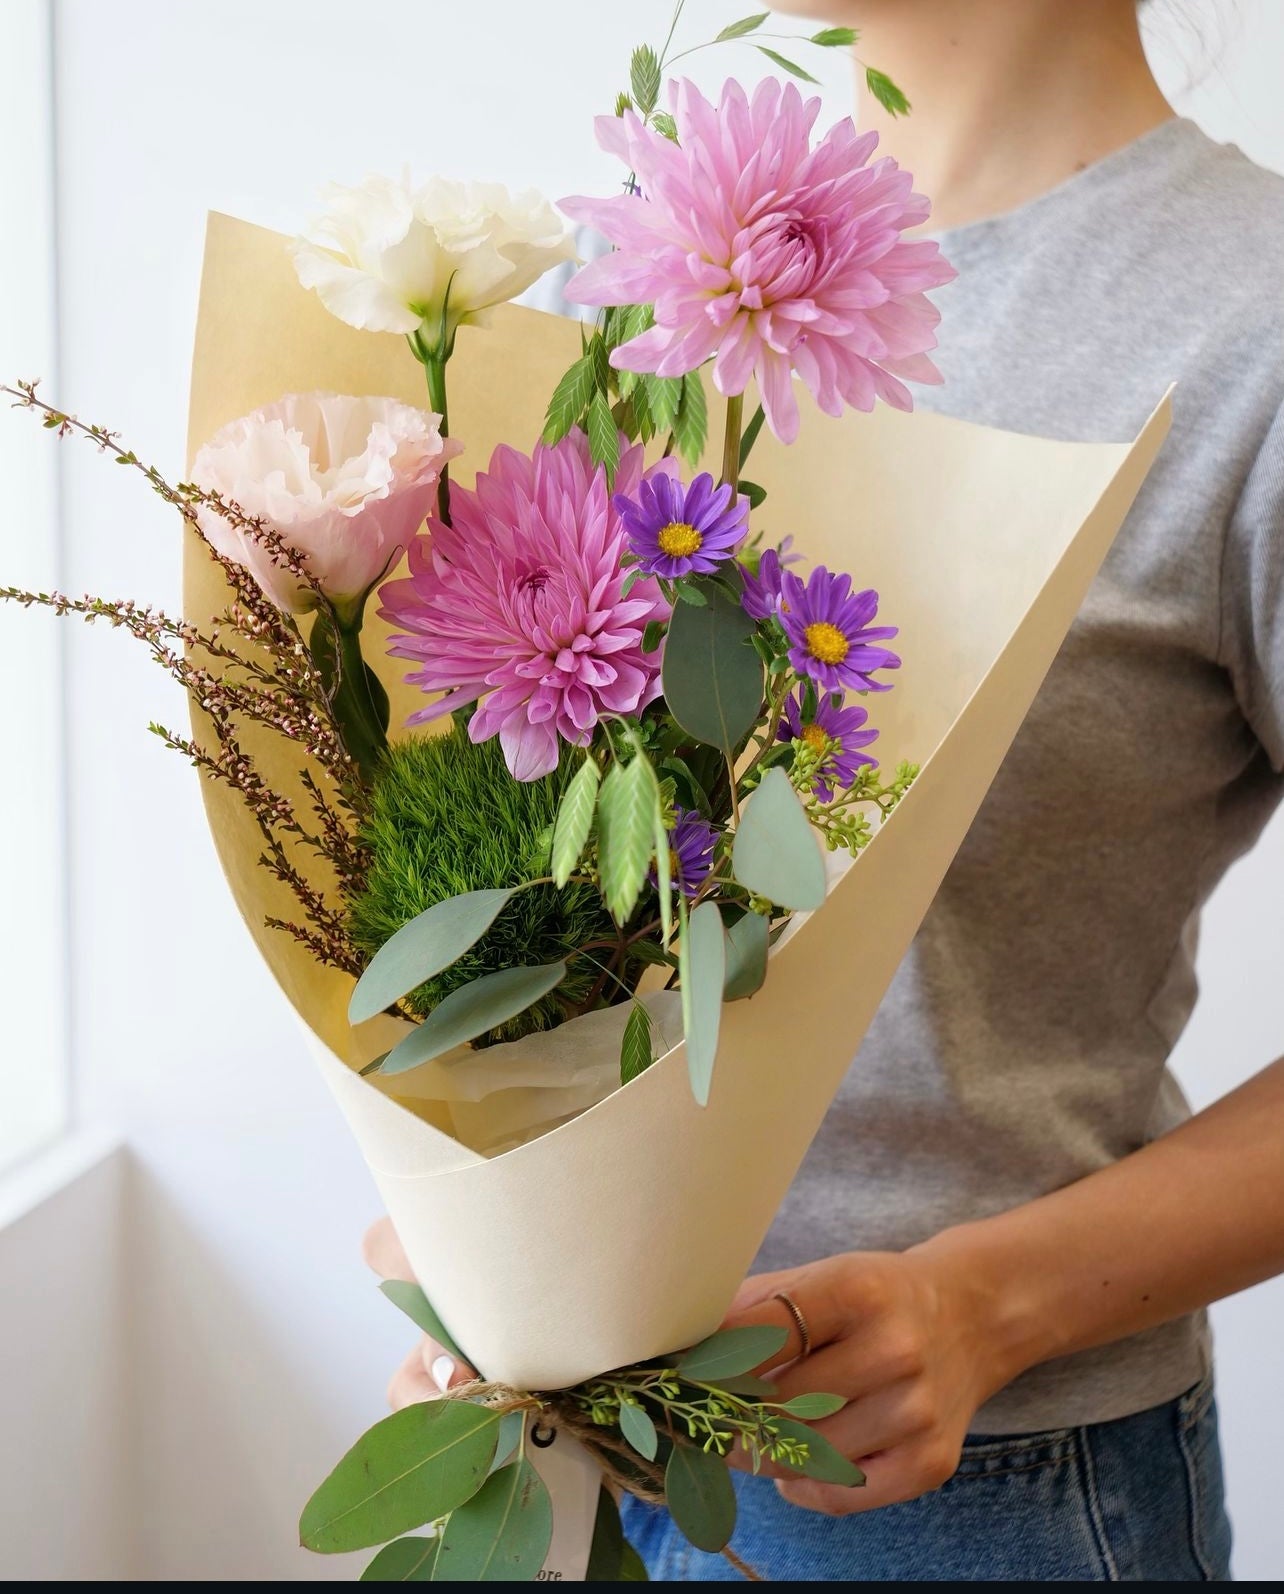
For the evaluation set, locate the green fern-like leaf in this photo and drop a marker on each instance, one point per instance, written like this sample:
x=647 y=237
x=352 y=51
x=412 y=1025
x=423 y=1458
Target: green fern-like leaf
x=785 y=65
x=570 y=398
x=603 y=435
x=886 y=92
x=644 y=78
x=691 y=424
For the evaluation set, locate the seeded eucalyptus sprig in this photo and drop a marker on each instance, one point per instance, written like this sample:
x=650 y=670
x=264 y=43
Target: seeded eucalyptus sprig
x=460 y=1467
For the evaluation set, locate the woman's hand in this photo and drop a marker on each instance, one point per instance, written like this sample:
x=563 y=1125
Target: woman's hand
x=907 y=1341
x=430 y=1369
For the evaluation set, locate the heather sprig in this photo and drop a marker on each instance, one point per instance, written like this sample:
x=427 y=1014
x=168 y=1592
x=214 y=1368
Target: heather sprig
x=269 y=679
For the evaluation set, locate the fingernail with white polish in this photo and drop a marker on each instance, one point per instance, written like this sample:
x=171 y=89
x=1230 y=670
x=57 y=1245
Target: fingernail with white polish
x=443 y=1370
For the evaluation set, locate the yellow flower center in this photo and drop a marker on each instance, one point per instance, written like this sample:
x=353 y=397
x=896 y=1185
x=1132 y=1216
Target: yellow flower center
x=679 y=540
x=826 y=642
x=815 y=738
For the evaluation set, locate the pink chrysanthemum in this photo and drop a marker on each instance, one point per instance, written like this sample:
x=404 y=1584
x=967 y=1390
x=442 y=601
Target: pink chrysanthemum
x=519 y=602
x=769 y=255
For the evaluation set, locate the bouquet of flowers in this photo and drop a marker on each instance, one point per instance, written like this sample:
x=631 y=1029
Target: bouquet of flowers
x=555 y=902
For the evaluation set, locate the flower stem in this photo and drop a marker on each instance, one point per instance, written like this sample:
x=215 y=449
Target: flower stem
x=336 y=650
x=435 y=367
x=731 y=442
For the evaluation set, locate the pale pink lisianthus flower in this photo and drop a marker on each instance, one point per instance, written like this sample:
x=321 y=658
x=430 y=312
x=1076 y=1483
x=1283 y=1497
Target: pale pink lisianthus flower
x=520 y=602
x=346 y=482
x=765 y=254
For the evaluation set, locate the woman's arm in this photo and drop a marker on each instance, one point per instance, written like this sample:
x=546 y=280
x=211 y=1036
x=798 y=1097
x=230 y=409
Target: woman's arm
x=920 y=1340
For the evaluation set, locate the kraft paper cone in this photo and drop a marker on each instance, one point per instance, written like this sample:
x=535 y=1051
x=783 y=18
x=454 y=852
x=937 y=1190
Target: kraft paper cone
x=624 y=1232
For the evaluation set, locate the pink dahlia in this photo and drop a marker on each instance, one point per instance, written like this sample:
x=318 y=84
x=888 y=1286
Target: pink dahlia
x=519 y=602
x=766 y=254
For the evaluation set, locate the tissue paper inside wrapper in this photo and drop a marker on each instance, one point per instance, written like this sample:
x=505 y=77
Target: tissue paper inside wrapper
x=503 y=1096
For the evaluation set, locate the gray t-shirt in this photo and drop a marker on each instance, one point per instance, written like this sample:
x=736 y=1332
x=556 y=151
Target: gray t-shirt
x=1024 y=1041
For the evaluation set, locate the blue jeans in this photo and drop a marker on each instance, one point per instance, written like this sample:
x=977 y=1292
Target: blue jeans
x=1133 y=1501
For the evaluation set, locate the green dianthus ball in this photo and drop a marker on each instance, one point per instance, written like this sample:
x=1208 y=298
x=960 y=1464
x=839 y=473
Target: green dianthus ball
x=447 y=817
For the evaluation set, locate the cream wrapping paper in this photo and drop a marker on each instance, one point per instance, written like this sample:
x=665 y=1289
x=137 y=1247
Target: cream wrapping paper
x=623 y=1232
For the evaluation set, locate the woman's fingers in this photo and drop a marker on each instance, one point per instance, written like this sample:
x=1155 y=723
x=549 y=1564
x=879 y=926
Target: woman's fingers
x=891 y=1477
x=816 y=1300
x=411 y=1383
x=382 y=1252
x=428 y=1371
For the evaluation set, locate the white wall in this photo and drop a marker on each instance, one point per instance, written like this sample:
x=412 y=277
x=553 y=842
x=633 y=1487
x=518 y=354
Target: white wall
x=67 y=1498
x=262 y=1348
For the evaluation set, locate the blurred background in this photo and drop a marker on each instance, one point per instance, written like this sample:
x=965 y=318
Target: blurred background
x=188 y=1339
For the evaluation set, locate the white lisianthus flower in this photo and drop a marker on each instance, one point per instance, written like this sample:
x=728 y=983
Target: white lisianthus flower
x=389 y=257
x=346 y=482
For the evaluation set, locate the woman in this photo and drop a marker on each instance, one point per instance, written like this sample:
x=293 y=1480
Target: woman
x=1002 y=1239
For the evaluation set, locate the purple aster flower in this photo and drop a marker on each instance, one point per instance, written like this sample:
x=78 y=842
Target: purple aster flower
x=835 y=726
x=761 y=597
x=682 y=531
x=831 y=640
x=691 y=847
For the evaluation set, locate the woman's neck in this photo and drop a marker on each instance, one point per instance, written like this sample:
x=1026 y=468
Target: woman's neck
x=1011 y=97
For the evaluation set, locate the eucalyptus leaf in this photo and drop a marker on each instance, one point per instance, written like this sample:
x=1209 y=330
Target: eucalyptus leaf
x=612 y=1559
x=636 y=1054
x=606 y=1552
x=403 y=1561
x=737 y=30
x=747 y=1384
x=775 y=853
x=511 y=1424
x=700 y=1496
x=639 y=1430
x=756 y=495
x=410 y=1299
x=823 y=1463
x=748 y=941
x=702 y=957
x=472 y=1010
x=502 y=1534
x=711 y=674
x=632 y=1566
x=811 y=1407
x=430 y=942
x=419 y=1464
x=786 y=65
x=731 y=1352
x=688 y=789
x=574 y=821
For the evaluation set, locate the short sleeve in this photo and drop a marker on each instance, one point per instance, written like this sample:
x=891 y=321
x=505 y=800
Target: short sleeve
x=1252 y=645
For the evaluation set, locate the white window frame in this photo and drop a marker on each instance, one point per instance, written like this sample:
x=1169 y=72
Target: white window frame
x=35 y=1094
